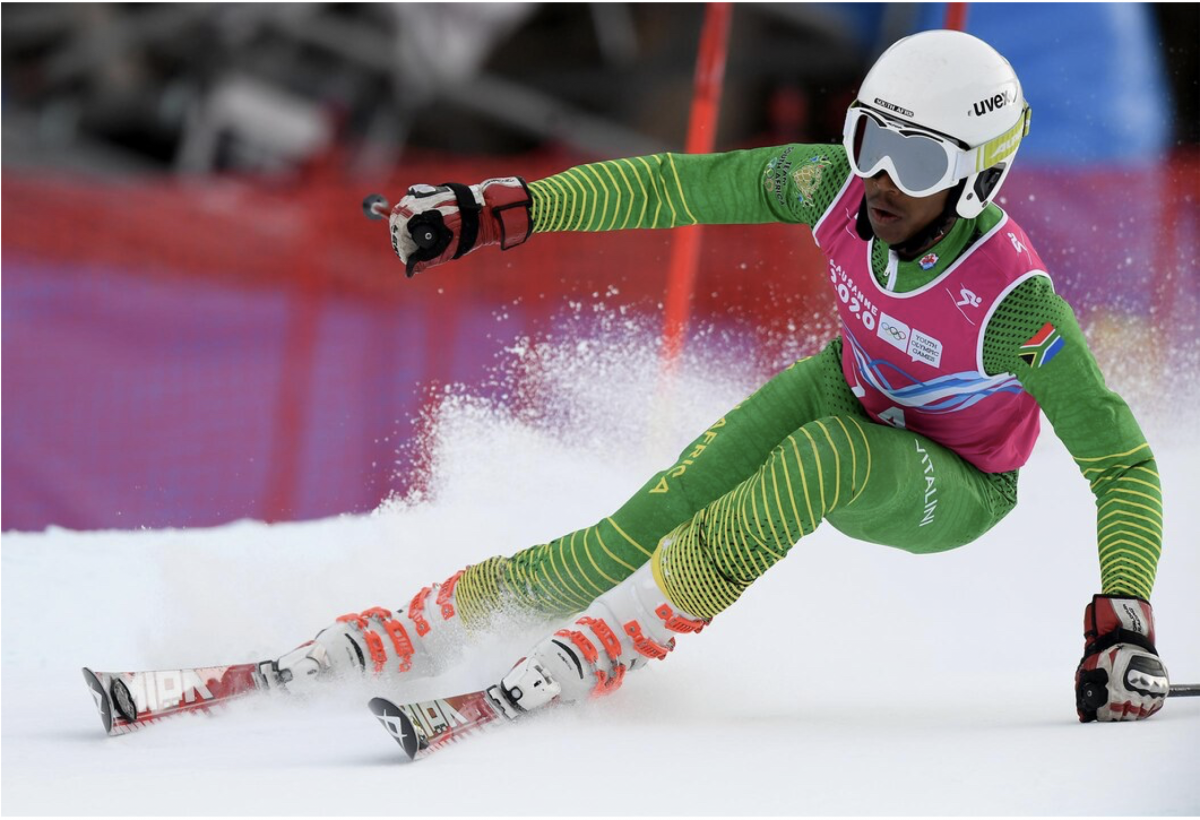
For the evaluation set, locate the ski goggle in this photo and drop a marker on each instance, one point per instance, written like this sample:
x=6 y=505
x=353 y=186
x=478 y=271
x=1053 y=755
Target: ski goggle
x=919 y=161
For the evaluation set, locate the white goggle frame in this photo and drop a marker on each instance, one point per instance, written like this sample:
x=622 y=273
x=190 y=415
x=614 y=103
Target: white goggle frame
x=960 y=162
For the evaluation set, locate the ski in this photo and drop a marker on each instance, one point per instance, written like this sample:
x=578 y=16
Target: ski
x=130 y=700
x=423 y=728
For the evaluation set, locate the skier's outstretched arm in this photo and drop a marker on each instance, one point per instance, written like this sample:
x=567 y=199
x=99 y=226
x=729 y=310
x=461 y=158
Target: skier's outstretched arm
x=791 y=184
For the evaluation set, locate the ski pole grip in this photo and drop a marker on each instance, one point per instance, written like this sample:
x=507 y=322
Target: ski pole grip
x=375 y=206
x=425 y=233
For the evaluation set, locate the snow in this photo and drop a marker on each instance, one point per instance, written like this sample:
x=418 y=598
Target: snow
x=852 y=679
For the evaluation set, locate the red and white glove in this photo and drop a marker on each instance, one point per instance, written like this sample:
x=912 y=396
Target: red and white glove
x=1120 y=676
x=434 y=224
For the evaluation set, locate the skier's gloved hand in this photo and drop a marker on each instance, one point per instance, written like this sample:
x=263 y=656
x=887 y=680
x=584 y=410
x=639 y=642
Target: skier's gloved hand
x=434 y=224
x=1120 y=676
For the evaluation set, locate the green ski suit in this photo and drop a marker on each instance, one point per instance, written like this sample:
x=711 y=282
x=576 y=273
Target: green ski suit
x=801 y=449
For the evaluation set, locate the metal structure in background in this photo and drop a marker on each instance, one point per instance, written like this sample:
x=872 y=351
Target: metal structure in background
x=124 y=88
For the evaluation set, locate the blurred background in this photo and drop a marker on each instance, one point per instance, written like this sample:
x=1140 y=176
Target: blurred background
x=200 y=326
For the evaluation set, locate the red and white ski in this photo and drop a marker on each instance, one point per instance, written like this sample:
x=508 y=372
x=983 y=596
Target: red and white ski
x=423 y=728
x=129 y=700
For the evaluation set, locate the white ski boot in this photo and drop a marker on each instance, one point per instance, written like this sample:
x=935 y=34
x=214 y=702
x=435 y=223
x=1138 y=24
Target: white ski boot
x=625 y=627
x=414 y=643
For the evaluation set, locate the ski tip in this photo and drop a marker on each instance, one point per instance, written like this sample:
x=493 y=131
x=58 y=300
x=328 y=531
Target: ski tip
x=100 y=697
x=114 y=702
x=397 y=724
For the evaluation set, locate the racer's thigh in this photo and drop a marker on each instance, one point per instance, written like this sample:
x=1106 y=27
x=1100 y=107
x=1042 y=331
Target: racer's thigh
x=923 y=497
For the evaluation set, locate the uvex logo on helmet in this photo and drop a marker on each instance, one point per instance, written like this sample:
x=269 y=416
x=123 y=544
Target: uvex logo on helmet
x=993 y=103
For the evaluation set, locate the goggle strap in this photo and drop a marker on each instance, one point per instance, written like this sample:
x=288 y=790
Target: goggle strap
x=1001 y=147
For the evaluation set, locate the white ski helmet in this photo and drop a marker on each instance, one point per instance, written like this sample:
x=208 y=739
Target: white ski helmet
x=957 y=87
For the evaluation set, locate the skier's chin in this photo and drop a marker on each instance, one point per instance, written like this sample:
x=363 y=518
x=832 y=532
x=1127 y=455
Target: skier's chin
x=893 y=231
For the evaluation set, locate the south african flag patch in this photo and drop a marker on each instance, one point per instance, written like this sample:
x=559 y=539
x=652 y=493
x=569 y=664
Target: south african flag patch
x=1044 y=346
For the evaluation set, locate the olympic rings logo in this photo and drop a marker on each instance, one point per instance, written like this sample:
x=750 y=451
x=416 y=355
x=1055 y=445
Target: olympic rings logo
x=895 y=332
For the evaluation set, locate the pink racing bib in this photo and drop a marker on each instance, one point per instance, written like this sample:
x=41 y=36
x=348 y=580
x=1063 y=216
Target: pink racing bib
x=915 y=360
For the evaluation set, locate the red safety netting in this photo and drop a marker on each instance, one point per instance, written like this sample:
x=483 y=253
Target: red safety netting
x=189 y=352
x=184 y=353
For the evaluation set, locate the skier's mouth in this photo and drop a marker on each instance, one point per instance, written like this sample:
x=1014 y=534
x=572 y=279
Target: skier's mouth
x=883 y=216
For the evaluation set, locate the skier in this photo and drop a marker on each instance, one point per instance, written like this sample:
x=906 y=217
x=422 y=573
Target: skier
x=907 y=430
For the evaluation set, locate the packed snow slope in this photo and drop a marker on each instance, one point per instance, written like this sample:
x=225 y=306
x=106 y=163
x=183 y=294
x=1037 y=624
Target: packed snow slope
x=852 y=679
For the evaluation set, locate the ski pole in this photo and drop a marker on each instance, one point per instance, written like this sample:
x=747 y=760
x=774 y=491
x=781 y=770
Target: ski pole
x=1185 y=690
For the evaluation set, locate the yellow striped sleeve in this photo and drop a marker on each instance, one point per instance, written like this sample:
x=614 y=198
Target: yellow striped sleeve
x=642 y=188
x=585 y=203
x=617 y=190
x=612 y=195
x=1129 y=518
x=602 y=193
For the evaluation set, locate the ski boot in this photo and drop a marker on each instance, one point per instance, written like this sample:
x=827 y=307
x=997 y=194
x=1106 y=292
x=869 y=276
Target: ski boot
x=416 y=642
x=622 y=630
